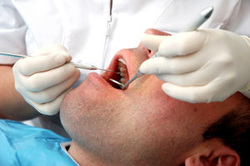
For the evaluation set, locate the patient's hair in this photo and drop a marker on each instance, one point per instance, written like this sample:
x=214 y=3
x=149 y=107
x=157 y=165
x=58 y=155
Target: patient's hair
x=233 y=130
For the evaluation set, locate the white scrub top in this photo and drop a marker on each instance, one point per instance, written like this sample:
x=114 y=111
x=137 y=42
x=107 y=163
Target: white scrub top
x=81 y=26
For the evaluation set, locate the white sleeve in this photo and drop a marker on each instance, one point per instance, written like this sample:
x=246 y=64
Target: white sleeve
x=241 y=23
x=12 y=31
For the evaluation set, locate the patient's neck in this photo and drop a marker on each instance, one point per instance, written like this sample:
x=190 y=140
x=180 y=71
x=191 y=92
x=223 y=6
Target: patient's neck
x=88 y=157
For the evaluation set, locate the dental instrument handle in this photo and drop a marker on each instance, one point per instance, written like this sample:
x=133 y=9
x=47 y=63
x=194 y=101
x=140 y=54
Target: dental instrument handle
x=83 y=66
x=199 y=20
x=13 y=55
x=89 y=67
x=195 y=24
x=77 y=65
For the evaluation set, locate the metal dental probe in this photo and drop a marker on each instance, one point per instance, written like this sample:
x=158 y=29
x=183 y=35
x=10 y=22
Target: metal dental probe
x=205 y=14
x=77 y=65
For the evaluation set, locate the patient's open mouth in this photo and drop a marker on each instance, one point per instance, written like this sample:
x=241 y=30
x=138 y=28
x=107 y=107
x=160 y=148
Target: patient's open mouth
x=120 y=77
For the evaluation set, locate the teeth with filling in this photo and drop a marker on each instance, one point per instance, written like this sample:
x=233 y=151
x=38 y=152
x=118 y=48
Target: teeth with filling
x=122 y=69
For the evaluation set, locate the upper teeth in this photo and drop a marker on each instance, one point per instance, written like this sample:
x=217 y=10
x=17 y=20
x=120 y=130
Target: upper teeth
x=122 y=61
x=122 y=68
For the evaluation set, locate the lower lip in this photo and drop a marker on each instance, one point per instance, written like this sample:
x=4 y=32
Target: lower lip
x=98 y=80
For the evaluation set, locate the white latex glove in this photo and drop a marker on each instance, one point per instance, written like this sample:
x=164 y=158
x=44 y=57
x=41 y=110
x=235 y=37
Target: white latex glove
x=200 y=66
x=45 y=78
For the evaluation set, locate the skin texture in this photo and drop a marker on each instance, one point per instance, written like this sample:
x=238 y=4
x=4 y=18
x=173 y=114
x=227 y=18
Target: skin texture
x=12 y=105
x=138 y=126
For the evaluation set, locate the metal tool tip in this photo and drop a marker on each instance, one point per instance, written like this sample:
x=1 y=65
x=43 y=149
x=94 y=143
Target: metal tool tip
x=207 y=12
x=129 y=82
x=116 y=82
x=125 y=86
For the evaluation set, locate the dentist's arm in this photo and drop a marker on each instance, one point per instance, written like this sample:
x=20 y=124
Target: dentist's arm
x=200 y=66
x=12 y=105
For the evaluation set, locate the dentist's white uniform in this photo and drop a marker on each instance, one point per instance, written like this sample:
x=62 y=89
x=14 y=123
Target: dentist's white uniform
x=81 y=26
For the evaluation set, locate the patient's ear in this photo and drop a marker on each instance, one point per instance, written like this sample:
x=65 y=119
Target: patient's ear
x=214 y=156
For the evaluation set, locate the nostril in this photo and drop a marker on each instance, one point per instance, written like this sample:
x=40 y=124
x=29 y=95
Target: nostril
x=146 y=50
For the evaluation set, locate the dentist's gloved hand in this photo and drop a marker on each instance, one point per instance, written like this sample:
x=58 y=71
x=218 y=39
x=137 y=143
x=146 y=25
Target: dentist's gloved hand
x=44 y=79
x=200 y=66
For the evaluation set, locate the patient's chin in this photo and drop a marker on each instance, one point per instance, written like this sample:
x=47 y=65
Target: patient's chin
x=67 y=107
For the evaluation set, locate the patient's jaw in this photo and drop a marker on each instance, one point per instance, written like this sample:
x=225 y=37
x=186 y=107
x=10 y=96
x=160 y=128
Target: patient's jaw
x=138 y=126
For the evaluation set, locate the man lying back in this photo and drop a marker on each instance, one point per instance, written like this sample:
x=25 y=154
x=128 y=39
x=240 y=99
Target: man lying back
x=141 y=125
